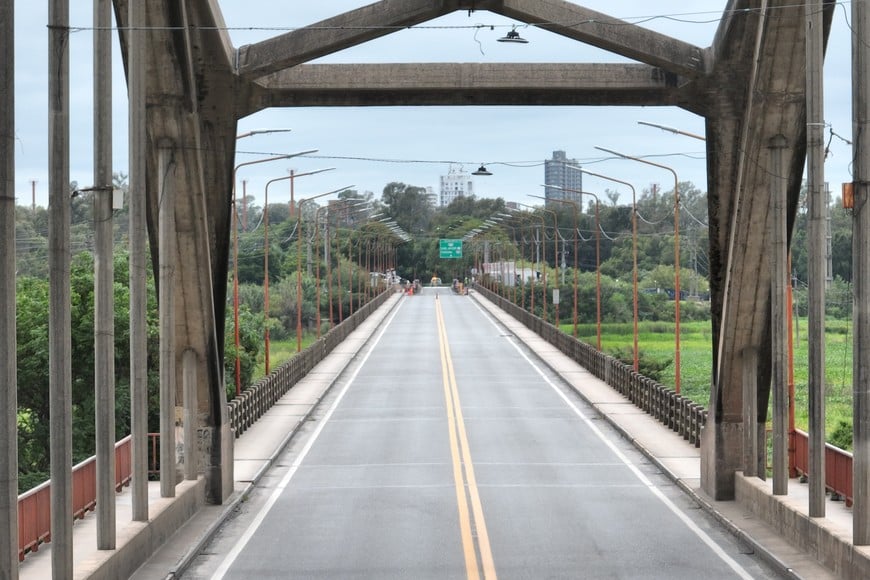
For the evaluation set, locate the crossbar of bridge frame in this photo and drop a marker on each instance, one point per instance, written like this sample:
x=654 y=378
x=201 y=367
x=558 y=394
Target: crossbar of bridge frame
x=817 y=263
x=861 y=274
x=779 y=328
x=8 y=346
x=60 y=308
x=166 y=307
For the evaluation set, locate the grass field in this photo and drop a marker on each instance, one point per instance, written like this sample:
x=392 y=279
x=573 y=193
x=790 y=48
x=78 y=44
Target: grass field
x=656 y=340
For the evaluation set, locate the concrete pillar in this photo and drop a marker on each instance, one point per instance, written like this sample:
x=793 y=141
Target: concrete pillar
x=189 y=363
x=861 y=275
x=104 y=278
x=8 y=345
x=59 y=340
x=817 y=262
x=778 y=313
x=166 y=299
x=750 y=411
x=136 y=55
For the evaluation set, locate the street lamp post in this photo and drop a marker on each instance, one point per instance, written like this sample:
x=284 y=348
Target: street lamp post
x=676 y=259
x=544 y=273
x=555 y=262
x=299 y=262
x=575 y=236
x=597 y=253
x=633 y=251
x=235 y=226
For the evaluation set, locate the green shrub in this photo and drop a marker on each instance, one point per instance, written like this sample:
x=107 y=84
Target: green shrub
x=841 y=436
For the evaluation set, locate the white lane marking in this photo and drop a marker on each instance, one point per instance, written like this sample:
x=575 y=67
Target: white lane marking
x=702 y=535
x=285 y=481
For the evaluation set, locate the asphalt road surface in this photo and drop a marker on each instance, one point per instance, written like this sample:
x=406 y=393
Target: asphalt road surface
x=447 y=450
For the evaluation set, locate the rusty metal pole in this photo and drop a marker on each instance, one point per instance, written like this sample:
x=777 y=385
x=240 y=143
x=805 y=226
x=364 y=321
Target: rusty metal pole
x=8 y=347
x=861 y=275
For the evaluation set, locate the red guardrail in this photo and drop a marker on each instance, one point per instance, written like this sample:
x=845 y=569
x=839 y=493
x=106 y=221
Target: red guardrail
x=838 y=465
x=34 y=506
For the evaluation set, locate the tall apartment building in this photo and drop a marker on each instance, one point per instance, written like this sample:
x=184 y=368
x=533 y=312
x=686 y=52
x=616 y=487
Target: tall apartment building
x=457 y=183
x=557 y=172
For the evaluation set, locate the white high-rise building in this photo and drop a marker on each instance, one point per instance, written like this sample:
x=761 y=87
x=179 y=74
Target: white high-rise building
x=557 y=172
x=457 y=183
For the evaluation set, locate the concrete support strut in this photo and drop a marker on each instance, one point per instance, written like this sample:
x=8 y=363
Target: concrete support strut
x=136 y=55
x=60 y=341
x=778 y=314
x=189 y=363
x=8 y=343
x=750 y=411
x=861 y=275
x=104 y=278
x=167 y=235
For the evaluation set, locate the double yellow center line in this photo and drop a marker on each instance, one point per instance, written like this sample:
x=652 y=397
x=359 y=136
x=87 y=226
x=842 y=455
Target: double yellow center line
x=475 y=540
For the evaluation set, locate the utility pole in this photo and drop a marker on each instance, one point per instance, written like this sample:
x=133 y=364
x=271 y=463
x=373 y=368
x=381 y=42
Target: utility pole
x=816 y=267
x=60 y=309
x=136 y=55
x=861 y=275
x=8 y=346
x=33 y=194
x=104 y=278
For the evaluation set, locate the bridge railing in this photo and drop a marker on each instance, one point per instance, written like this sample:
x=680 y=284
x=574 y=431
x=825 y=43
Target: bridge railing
x=675 y=411
x=34 y=506
x=838 y=465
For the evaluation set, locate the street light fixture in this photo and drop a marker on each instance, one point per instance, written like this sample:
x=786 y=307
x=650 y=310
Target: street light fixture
x=677 y=290
x=482 y=170
x=261 y=132
x=672 y=130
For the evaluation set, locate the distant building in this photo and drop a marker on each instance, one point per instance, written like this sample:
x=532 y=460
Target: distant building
x=431 y=196
x=457 y=183
x=558 y=172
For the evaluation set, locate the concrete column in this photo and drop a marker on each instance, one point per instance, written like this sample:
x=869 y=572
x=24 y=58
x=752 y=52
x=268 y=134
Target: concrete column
x=166 y=300
x=136 y=55
x=59 y=340
x=817 y=263
x=189 y=362
x=778 y=315
x=104 y=278
x=8 y=345
x=861 y=275
x=750 y=411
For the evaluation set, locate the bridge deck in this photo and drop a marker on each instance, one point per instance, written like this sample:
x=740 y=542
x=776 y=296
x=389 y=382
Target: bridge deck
x=258 y=448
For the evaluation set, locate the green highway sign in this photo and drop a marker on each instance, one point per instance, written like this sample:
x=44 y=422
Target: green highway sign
x=450 y=248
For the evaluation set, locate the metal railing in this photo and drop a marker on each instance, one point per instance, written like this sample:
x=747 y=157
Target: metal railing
x=838 y=465
x=675 y=411
x=34 y=506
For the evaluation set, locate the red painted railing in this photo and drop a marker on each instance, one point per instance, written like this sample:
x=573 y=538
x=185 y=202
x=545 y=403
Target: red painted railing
x=838 y=465
x=34 y=506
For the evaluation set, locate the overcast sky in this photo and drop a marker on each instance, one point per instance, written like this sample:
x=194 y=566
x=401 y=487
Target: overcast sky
x=416 y=145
